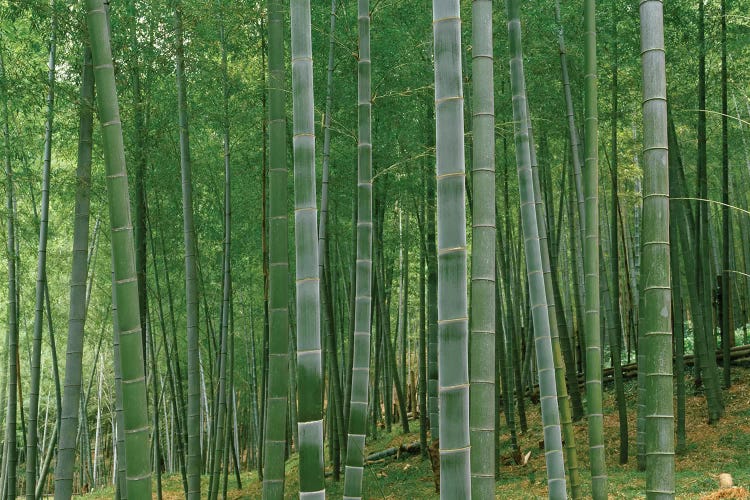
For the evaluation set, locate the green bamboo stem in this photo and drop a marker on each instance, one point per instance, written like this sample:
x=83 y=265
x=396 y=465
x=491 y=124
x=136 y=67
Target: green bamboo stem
x=482 y=340
x=563 y=401
x=432 y=316
x=575 y=148
x=191 y=271
x=727 y=329
x=685 y=229
x=41 y=271
x=275 y=435
x=453 y=338
x=360 y=377
x=222 y=419
x=591 y=260
x=9 y=449
x=309 y=363
x=139 y=154
x=537 y=294
x=155 y=441
x=77 y=315
x=324 y=267
x=121 y=487
x=172 y=365
x=703 y=251
x=422 y=356
x=136 y=430
x=656 y=315
x=616 y=323
x=678 y=326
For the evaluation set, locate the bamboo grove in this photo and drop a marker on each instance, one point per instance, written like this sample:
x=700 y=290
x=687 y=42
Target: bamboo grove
x=330 y=222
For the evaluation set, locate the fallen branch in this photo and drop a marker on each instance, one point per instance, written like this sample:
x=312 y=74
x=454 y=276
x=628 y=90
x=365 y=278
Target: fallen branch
x=411 y=449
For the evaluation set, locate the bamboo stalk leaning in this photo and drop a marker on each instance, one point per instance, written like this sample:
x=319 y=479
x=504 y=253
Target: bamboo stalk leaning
x=537 y=294
x=125 y=287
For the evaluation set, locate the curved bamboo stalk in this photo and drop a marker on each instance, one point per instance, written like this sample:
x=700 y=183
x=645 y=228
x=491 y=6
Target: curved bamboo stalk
x=616 y=324
x=575 y=149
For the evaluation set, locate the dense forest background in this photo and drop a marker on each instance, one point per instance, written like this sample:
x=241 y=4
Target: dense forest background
x=226 y=83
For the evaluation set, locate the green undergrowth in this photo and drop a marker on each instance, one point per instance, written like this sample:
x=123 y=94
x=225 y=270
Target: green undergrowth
x=710 y=450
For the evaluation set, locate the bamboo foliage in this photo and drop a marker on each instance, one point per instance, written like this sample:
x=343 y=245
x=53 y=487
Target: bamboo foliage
x=453 y=338
x=482 y=342
x=309 y=362
x=539 y=311
x=278 y=282
x=527 y=307
x=656 y=314
x=125 y=286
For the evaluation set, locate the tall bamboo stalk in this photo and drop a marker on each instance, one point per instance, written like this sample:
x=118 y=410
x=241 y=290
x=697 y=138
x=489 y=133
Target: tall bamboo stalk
x=125 y=287
x=191 y=271
x=727 y=334
x=535 y=278
x=708 y=370
x=482 y=342
x=10 y=443
x=324 y=265
x=657 y=327
x=275 y=435
x=309 y=366
x=432 y=316
x=591 y=260
x=563 y=401
x=360 y=378
x=77 y=316
x=453 y=338
x=41 y=272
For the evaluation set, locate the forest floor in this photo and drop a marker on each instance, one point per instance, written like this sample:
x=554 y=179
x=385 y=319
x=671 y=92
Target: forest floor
x=711 y=450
